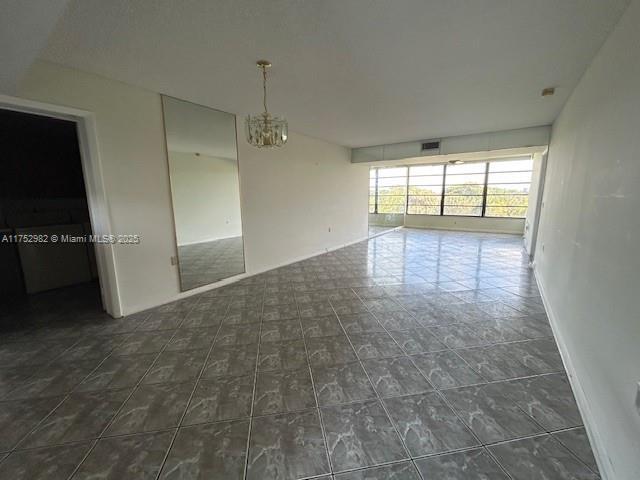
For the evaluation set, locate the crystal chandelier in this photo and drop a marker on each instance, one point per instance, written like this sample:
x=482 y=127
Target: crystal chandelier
x=263 y=130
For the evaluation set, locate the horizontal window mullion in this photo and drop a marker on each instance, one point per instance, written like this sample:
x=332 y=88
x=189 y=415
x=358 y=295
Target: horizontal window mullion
x=508 y=183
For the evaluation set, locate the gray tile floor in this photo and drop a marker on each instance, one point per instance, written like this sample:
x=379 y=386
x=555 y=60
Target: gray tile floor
x=415 y=355
x=208 y=262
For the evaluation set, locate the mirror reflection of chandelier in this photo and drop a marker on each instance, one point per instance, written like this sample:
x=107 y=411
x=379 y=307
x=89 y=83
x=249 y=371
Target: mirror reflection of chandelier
x=264 y=130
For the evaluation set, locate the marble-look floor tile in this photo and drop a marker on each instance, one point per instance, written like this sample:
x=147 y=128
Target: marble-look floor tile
x=308 y=296
x=541 y=356
x=279 y=299
x=548 y=399
x=52 y=380
x=210 y=451
x=134 y=457
x=48 y=463
x=498 y=309
x=246 y=302
x=118 y=372
x=97 y=347
x=395 y=376
x=347 y=307
x=434 y=293
x=577 y=441
x=395 y=471
x=492 y=331
x=495 y=362
x=203 y=319
x=360 y=435
x=143 y=342
x=222 y=398
x=34 y=352
x=458 y=336
x=19 y=417
x=360 y=323
x=274 y=313
x=433 y=315
x=286 y=447
x=280 y=331
x=13 y=376
x=397 y=320
x=540 y=457
x=532 y=326
x=374 y=345
x=382 y=305
x=321 y=327
x=327 y=351
x=81 y=416
x=278 y=392
x=427 y=425
x=287 y=355
x=192 y=339
x=370 y=292
x=237 y=335
x=315 y=309
x=446 y=370
x=418 y=340
x=469 y=465
x=342 y=384
x=242 y=315
x=152 y=407
x=161 y=321
x=490 y=412
x=179 y=366
x=231 y=360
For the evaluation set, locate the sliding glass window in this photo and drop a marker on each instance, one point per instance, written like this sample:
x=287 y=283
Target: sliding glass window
x=480 y=189
x=373 y=190
x=391 y=190
x=425 y=189
x=508 y=186
x=464 y=189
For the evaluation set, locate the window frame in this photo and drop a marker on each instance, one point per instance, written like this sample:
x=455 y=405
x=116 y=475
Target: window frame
x=485 y=190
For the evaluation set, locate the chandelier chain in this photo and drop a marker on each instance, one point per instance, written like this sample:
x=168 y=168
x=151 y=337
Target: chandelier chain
x=264 y=88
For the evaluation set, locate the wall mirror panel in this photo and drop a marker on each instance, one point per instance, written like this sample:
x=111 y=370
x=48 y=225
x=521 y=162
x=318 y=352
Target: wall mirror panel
x=203 y=168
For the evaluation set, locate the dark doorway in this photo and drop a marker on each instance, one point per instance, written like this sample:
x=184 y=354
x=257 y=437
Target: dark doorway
x=44 y=216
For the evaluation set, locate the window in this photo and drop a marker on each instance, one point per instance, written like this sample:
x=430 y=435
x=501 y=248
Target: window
x=373 y=190
x=508 y=188
x=425 y=189
x=464 y=189
x=388 y=190
x=481 y=189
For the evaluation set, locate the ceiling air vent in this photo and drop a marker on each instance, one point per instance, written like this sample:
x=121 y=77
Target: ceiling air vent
x=430 y=146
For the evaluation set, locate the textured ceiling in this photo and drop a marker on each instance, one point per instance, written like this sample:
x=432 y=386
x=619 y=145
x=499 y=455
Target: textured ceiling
x=354 y=72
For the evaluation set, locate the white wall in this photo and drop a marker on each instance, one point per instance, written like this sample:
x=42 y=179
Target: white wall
x=469 y=224
x=588 y=256
x=206 y=197
x=299 y=200
x=290 y=197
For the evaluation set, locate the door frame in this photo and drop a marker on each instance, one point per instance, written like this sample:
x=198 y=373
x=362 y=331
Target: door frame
x=97 y=199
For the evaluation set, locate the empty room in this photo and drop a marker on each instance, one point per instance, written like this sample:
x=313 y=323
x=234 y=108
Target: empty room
x=319 y=240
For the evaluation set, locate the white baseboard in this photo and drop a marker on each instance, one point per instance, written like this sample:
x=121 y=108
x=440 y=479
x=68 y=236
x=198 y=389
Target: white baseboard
x=597 y=445
x=212 y=239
